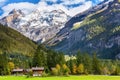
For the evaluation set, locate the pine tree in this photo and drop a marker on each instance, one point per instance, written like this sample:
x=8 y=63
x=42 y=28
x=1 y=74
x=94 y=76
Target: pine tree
x=79 y=58
x=87 y=61
x=54 y=58
x=4 y=69
x=39 y=58
x=51 y=59
x=70 y=64
x=96 y=65
x=60 y=58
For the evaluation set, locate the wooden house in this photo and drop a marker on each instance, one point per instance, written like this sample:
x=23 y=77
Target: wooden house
x=37 y=71
x=18 y=71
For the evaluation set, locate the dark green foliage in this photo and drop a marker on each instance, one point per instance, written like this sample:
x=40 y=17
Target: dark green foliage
x=47 y=58
x=79 y=58
x=87 y=61
x=84 y=59
x=51 y=59
x=71 y=64
x=20 y=60
x=12 y=41
x=4 y=69
x=96 y=66
x=39 y=59
x=54 y=58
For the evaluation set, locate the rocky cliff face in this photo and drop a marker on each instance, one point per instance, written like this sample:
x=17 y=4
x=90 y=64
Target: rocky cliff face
x=95 y=30
x=39 y=26
x=12 y=18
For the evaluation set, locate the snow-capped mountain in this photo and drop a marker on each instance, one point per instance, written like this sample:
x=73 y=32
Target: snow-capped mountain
x=38 y=25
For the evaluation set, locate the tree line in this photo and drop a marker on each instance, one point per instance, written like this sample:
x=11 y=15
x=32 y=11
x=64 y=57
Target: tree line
x=55 y=63
x=83 y=64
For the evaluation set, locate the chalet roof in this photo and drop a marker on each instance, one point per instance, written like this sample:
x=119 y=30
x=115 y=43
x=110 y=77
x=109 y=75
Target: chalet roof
x=37 y=68
x=17 y=70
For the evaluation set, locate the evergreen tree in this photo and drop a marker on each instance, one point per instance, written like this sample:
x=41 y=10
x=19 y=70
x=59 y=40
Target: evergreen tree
x=4 y=69
x=60 y=58
x=54 y=58
x=70 y=64
x=39 y=58
x=51 y=59
x=96 y=65
x=79 y=58
x=87 y=62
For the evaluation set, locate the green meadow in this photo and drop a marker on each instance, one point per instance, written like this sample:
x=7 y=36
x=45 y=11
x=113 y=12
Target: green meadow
x=61 y=78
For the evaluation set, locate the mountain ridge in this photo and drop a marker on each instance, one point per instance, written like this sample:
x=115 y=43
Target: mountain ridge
x=95 y=30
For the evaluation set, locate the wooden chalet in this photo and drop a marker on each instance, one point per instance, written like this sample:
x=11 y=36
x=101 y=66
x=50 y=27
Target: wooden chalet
x=37 y=71
x=18 y=71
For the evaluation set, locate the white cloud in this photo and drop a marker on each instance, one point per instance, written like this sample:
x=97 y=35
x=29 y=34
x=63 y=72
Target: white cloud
x=24 y=6
x=69 y=2
x=81 y=8
x=50 y=0
x=42 y=5
x=70 y=11
x=2 y=2
x=101 y=0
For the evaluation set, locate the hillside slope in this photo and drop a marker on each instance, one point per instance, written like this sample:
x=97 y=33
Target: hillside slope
x=12 y=41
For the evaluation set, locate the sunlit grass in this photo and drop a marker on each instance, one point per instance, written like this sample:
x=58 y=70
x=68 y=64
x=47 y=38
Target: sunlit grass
x=61 y=78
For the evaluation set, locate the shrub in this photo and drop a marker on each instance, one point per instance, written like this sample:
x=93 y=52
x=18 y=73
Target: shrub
x=30 y=74
x=44 y=74
x=55 y=71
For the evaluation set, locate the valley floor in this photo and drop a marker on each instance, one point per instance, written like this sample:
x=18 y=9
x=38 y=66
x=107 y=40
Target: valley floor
x=93 y=77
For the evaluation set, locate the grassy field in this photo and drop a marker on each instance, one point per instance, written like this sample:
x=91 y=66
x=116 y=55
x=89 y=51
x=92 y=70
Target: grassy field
x=61 y=78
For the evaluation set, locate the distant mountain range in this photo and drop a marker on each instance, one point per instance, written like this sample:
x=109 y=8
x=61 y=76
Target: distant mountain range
x=96 y=30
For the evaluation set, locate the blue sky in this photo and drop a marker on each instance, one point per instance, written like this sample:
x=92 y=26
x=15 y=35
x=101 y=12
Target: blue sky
x=71 y=7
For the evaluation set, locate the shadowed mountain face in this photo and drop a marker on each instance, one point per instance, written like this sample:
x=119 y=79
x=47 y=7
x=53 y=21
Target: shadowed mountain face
x=95 y=30
x=12 y=42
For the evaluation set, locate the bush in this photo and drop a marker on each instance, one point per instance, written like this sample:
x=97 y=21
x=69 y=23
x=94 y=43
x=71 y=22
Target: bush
x=44 y=74
x=55 y=72
x=29 y=74
x=65 y=70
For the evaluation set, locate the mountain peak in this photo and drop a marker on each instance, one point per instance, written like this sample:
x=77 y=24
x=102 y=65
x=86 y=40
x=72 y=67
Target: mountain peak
x=14 y=11
x=58 y=11
x=12 y=17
